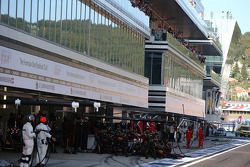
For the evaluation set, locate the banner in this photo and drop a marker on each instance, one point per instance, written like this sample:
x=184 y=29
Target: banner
x=96 y=86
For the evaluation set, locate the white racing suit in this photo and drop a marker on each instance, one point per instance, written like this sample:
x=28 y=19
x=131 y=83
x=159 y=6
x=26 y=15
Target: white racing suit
x=43 y=135
x=28 y=144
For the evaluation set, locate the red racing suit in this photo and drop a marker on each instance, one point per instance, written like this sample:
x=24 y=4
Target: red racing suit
x=189 y=135
x=200 y=137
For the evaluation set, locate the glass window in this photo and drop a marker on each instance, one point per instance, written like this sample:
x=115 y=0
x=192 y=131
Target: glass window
x=107 y=37
x=181 y=77
x=95 y=34
x=123 y=51
x=117 y=43
x=153 y=67
x=47 y=15
x=52 y=18
x=40 y=17
x=69 y=23
x=78 y=25
x=115 y=46
x=136 y=52
x=91 y=39
x=142 y=55
x=4 y=11
x=99 y=34
x=20 y=7
x=134 y=12
x=103 y=37
x=86 y=26
x=110 y=36
x=73 y=24
x=126 y=47
x=34 y=12
x=115 y=59
x=12 y=13
x=27 y=17
x=64 y=11
x=148 y=64
x=58 y=18
x=81 y=28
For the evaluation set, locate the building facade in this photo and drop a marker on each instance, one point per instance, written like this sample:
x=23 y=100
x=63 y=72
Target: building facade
x=55 y=52
x=85 y=27
x=175 y=56
x=229 y=33
x=93 y=50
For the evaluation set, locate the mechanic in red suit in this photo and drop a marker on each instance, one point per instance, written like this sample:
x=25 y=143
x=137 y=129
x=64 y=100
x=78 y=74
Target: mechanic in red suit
x=200 y=137
x=189 y=135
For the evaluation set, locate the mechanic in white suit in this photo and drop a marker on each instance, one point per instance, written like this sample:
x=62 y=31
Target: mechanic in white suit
x=28 y=142
x=43 y=135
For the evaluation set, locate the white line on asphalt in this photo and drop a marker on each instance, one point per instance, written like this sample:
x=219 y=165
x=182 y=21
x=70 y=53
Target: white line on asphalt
x=203 y=159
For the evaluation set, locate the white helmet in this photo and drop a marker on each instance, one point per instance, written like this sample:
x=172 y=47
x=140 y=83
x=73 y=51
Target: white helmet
x=31 y=118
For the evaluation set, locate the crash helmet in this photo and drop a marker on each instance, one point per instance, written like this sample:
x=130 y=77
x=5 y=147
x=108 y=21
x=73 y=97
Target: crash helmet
x=31 y=118
x=43 y=119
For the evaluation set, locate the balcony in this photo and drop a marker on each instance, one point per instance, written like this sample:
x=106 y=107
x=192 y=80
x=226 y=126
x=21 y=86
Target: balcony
x=216 y=77
x=212 y=79
x=214 y=59
x=185 y=51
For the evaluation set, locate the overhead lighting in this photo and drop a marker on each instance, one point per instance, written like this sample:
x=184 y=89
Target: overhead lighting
x=75 y=105
x=97 y=105
x=4 y=106
x=17 y=102
x=4 y=97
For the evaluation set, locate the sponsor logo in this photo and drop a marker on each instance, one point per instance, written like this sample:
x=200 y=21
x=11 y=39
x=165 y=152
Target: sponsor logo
x=45 y=86
x=5 y=57
x=7 y=79
x=33 y=64
x=75 y=75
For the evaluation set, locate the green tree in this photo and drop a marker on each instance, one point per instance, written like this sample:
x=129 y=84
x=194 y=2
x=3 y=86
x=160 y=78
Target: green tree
x=246 y=57
x=245 y=40
x=235 y=70
x=244 y=72
x=245 y=43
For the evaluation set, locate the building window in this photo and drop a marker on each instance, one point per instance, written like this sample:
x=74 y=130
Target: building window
x=181 y=77
x=81 y=26
x=153 y=67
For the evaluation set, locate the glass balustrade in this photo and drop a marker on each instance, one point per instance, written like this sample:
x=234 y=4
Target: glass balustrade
x=185 y=51
x=215 y=76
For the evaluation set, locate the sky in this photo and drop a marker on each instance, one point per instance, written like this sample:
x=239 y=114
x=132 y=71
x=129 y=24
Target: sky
x=240 y=10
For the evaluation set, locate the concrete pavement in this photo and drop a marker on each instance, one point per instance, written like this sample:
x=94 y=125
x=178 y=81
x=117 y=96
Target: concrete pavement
x=212 y=145
x=235 y=157
x=217 y=146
